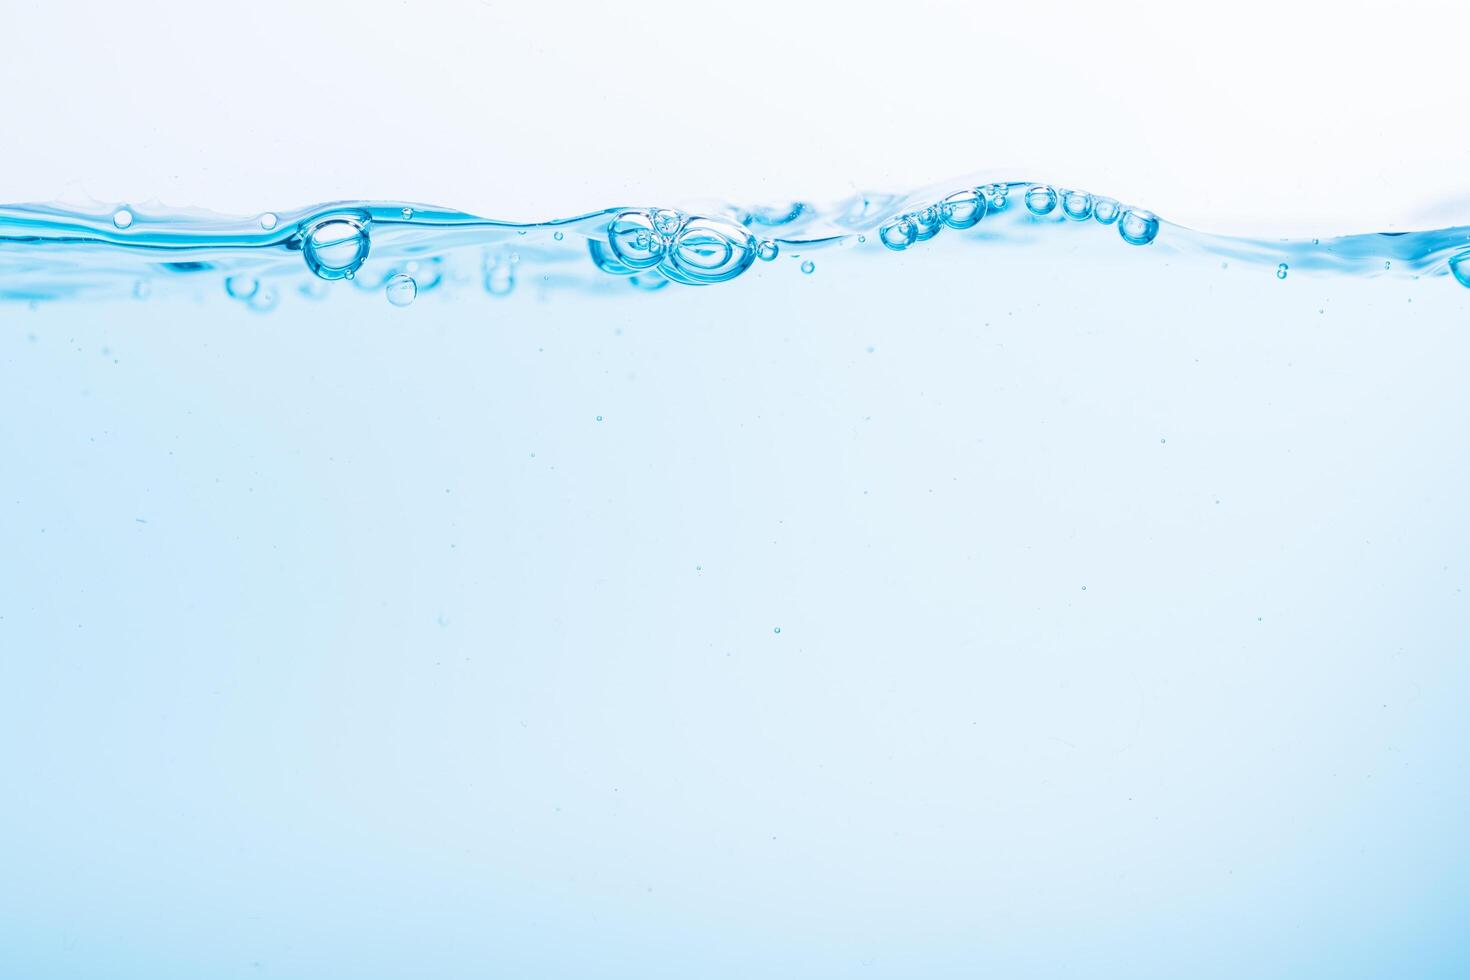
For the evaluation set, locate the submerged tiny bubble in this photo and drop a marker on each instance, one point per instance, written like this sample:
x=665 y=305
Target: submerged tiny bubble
x=808 y=267
x=558 y=235
x=408 y=214
x=141 y=289
x=122 y=217
x=1281 y=271
x=401 y=290
x=264 y=300
x=767 y=251
x=268 y=221
x=1138 y=227
x=1041 y=200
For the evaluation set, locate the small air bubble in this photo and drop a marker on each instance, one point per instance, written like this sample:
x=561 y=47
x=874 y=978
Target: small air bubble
x=268 y=221
x=408 y=214
x=808 y=267
x=241 y=287
x=1281 y=271
x=767 y=251
x=1138 y=227
x=401 y=290
x=777 y=630
x=558 y=236
x=122 y=217
x=1041 y=200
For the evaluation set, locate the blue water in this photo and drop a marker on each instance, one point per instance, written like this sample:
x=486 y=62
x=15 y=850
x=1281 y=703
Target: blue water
x=49 y=252
x=1019 y=601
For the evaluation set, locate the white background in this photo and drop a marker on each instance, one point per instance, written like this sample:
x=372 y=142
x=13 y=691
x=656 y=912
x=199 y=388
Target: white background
x=1256 y=116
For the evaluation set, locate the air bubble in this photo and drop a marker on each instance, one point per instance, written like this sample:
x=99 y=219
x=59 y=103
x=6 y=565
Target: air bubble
x=335 y=247
x=767 y=251
x=264 y=300
x=558 y=235
x=1281 y=270
x=1077 y=205
x=927 y=223
x=1041 y=200
x=708 y=250
x=1460 y=268
x=241 y=287
x=808 y=267
x=635 y=241
x=1105 y=210
x=962 y=209
x=268 y=221
x=122 y=217
x=997 y=196
x=898 y=234
x=141 y=289
x=401 y=290
x=1138 y=227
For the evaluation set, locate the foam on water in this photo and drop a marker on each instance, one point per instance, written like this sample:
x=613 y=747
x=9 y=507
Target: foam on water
x=48 y=252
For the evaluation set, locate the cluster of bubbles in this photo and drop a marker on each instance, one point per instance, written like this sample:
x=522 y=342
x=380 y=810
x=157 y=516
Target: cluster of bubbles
x=960 y=210
x=1135 y=225
x=688 y=249
x=965 y=208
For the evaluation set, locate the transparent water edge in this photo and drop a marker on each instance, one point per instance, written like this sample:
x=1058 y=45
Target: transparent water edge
x=403 y=250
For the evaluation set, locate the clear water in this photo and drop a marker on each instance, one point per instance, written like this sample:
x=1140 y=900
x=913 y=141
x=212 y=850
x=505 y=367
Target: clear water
x=1016 y=601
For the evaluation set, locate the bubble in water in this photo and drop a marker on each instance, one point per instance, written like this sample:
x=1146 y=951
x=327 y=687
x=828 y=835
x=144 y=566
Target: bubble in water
x=500 y=274
x=268 y=221
x=1041 y=200
x=708 y=250
x=997 y=195
x=898 y=234
x=767 y=251
x=122 y=217
x=401 y=290
x=808 y=267
x=427 y=273
x=1105 y=210
x=667 y=221
x=558 y=235
x=335 y=246
x=962 y=209
x=1281 y=271
x=141 y=289
x=1460 y=268
x=1138 y=227
x=1077 y=205
x=635 y=240
x=241 y=287
x=264 y=300
x=927 y=223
